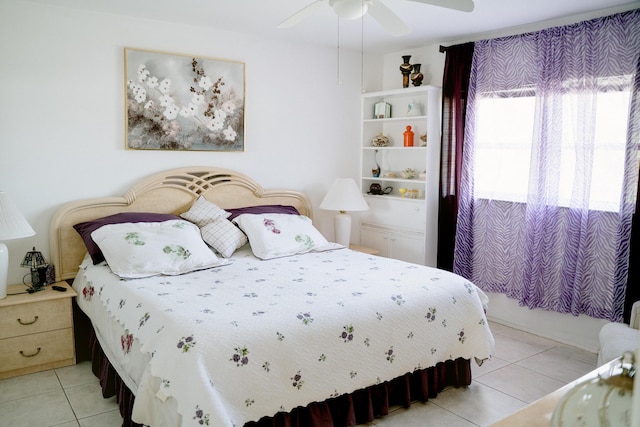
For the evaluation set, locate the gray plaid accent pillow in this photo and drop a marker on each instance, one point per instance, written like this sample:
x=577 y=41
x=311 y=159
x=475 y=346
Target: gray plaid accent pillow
x=202 y=212
x=223 y=236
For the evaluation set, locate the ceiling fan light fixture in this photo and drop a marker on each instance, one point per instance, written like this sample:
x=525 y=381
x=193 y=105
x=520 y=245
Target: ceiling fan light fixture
x=350 y=9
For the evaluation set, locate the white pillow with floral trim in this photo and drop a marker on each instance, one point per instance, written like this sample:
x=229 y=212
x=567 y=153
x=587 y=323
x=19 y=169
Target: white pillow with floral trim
x=279 y=235
x=143 y=249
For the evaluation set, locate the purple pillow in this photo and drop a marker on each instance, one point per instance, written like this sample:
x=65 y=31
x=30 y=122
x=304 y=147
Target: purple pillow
x=262 y=209
x=86 y=228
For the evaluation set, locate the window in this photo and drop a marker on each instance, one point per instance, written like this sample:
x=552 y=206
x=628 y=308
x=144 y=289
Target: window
x=504 y=135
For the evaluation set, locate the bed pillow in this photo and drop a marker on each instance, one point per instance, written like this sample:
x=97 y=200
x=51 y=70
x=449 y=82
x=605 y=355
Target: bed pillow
x=143 y=249
x=202 y=212
x=223 y=236
x=262 y=209
x=276 y=235
x=86 y=228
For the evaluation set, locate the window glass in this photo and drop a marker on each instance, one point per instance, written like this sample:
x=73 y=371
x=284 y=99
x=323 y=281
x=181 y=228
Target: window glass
x=504 y=134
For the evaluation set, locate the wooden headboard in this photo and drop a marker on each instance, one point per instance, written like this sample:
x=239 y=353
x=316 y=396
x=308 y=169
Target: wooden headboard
x=172 y=191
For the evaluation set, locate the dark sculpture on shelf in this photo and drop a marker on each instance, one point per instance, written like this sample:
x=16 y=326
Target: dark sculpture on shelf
x=416 y=76
x=405 y=69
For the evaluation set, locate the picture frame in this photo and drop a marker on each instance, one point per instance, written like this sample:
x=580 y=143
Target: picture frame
x=183 y=102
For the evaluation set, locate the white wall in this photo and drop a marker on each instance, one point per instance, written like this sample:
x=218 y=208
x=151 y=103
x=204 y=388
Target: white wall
x=62 y=111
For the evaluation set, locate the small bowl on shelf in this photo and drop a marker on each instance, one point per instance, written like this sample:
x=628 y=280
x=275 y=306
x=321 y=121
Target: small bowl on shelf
x=408 y=173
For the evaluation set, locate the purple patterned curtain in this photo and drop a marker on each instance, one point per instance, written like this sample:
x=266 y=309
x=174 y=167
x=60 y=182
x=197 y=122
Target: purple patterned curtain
x=550 y=171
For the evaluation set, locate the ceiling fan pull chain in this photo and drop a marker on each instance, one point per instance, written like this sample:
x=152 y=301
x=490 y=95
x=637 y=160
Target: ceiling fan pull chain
x=338 y=19
x=362 y=51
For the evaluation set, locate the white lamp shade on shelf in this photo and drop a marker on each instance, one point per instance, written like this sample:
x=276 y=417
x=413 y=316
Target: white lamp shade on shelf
x=344 y=195
x=12 y=226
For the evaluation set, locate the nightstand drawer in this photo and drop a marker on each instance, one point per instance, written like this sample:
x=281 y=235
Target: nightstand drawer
x=23 y=319
x=36 y=349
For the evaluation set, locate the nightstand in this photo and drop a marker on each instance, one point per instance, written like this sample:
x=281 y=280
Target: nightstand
x=364 y=249
x=36 y=330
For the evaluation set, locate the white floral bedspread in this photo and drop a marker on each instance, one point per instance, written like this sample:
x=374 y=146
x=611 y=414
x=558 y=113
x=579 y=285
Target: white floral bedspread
x=252 y=338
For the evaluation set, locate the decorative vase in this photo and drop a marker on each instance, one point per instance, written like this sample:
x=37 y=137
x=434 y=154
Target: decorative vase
x=416 y=76
x=405 y=69
x=414 y=109
x=408 y=137
x=376 y=172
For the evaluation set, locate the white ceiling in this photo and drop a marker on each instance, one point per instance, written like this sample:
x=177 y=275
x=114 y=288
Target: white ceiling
x=428 y=24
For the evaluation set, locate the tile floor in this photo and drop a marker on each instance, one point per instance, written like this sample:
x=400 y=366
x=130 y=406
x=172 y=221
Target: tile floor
x=525 y=368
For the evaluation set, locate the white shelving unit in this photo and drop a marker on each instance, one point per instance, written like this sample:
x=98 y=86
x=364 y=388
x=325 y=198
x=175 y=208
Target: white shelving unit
x=397 y=225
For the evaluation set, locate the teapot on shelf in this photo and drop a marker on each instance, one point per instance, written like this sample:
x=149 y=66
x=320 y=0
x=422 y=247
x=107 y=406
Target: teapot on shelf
x=376 y=189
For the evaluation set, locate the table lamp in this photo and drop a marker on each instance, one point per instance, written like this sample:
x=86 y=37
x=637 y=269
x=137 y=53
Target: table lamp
x=12 y=226
x=35 y=261
x=344 y=195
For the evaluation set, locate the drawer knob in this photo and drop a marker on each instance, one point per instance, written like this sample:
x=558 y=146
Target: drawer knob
x=30 y=355
x=35 y=319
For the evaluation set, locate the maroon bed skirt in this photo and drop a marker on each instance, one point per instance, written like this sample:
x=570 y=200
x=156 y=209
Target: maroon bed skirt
x=358 y=407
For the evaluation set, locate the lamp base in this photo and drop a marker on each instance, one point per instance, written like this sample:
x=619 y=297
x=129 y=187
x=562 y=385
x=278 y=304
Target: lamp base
x=4 y=269
x=342 y=228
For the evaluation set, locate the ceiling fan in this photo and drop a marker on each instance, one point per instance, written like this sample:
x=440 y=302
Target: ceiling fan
x=352 y=9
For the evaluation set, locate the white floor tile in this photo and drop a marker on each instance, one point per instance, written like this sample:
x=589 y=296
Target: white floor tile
x=421 y=414
x=28 y=385
x=558 y=364
x=74 y=423
x=74 y=375
x=87 y=400
x=514 y=349
x=108 y=419
x=478 y=403
x=486 y=367
x=41 y=410
x=521 y=383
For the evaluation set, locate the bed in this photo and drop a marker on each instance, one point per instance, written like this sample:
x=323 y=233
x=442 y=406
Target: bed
x=316 y=335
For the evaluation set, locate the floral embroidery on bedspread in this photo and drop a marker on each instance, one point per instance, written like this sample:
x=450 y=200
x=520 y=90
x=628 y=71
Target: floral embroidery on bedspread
x=253 y=338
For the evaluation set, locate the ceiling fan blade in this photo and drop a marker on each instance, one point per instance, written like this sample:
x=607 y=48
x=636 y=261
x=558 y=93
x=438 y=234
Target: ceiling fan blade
x=387 y=19
x=302 y=14
x=461 y=5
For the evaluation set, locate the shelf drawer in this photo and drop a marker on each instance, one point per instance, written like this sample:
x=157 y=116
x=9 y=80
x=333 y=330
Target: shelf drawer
x=23 y=319
x=36 y=349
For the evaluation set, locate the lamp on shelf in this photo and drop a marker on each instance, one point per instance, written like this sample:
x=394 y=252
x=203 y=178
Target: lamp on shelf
x=36 y=262
x=12 y=226
x=344 y=195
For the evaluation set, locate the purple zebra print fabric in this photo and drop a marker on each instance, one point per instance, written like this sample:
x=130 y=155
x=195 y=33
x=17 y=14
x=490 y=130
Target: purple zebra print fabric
x=548 y=252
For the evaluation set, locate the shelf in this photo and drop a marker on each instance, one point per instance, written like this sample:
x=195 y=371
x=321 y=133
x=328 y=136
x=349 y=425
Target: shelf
x=371 y=178
x=415 y=147
x=395 y=119
x=390 y=196
x=410 y=91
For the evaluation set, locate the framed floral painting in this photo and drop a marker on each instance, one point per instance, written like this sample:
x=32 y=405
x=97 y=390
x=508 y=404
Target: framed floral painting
x=183 y=102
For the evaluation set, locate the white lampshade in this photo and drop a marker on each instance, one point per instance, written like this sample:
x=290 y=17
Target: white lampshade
x=12 y=226
x=344 y=195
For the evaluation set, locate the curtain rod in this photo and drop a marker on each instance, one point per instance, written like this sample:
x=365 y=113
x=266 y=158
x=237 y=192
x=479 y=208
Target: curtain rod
x=443 y=49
